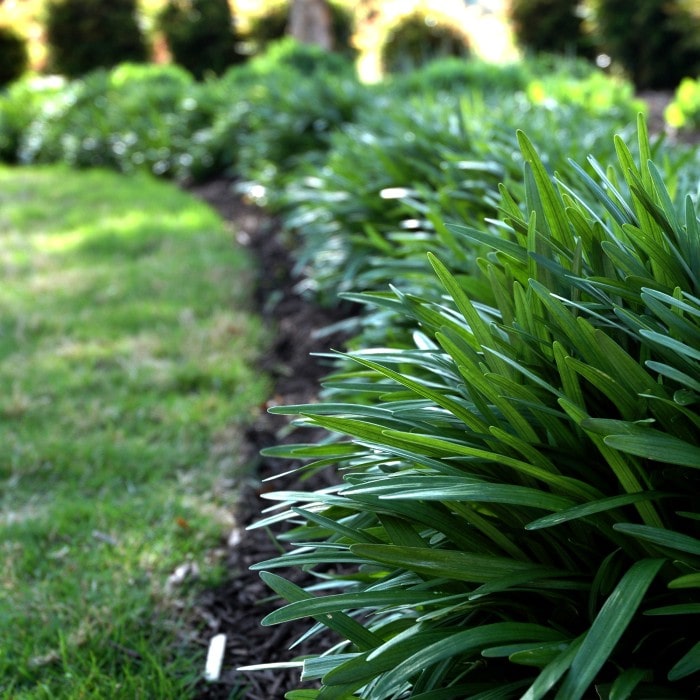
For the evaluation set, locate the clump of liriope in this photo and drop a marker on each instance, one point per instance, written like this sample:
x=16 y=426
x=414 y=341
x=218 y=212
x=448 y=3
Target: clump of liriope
x=518 y=515
x=389 y=181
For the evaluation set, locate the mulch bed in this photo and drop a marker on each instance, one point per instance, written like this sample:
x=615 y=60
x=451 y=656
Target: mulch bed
x=238 y=605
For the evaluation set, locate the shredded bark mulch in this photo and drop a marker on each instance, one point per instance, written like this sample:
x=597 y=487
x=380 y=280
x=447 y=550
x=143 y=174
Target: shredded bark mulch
x=236 y=607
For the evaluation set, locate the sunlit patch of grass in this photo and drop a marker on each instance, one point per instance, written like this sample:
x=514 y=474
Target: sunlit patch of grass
x=126 y=355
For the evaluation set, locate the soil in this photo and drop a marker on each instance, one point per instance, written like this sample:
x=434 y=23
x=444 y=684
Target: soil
x=238 y=605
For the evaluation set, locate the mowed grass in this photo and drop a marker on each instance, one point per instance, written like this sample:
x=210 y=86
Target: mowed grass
x=127 y=355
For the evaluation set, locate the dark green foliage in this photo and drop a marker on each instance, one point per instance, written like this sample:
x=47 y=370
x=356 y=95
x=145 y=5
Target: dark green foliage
x=406 y=164
x=157 y=118
x=20 y=105
x=306 y=59
x=551 y=26
x=276 y=129
x=133 y=118
x=517 y=423
x=14 y=57
x=518 y=513
x=260 y=136
x=419 y=38
x=200 y=35
x=654 y=41
x=83 y=35
x=454 y=74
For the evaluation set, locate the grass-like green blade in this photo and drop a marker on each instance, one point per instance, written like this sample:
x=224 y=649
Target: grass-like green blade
x=618 y=207
x=307 y=559
x=686 y=581
x=438 y=488
x=671 y=344
x=468 y=642
x=661 y=537
x=587 y=509
x=681 y=609
x=354 y=534
x=487 y=493
x=447 y=448
x=318 y=666
x=422 y=389
x=553 y=671
x=471 y=691
x=303 y=451
x=363 y=638
x=607 y=628
x=516 y=580
x=315 y=607
x=687 y=665
x=382 y=659
x=673 y=373
x=657 y=446
x=626 y=682
x=451 y=564
x=509 y=248
x=538 y=655
x=480 y=328
x=551 y=201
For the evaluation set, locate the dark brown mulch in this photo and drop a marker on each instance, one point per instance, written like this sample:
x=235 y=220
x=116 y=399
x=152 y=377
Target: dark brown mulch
x=238 y=605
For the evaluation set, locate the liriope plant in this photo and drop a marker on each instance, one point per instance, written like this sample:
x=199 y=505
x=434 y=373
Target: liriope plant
x=518 y=511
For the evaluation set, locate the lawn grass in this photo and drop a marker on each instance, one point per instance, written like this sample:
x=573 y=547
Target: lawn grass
x=126 y=366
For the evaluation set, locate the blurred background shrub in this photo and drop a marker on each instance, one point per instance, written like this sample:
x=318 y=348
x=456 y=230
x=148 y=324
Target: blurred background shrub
x=683 y=112
x=307 y=59
x=136 y=117
x=20 y=104
x=83 y=35
x=656 y=42
x=200 y=35
x=419 y=37
x=551 y=26
x=14 y=56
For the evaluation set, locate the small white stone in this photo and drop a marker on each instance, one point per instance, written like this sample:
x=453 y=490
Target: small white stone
x=215 y=657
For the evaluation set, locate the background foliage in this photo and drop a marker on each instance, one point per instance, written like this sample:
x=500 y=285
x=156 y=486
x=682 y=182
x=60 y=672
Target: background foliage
x=669 y=51
x=553 y=26
x=14 y=57
x=83 y=35
x=200 y=35
x=414 y=39
x=269 y=25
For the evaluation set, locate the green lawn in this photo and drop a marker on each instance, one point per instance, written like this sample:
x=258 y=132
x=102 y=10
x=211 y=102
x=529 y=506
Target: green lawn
x=127 y=355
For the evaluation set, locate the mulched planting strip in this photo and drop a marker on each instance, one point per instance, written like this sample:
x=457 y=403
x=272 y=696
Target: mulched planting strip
x=236 y=607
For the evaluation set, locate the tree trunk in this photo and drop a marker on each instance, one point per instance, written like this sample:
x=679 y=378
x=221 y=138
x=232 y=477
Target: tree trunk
x=310 y=22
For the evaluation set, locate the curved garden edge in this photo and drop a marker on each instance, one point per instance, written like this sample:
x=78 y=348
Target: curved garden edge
x=236 y=607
